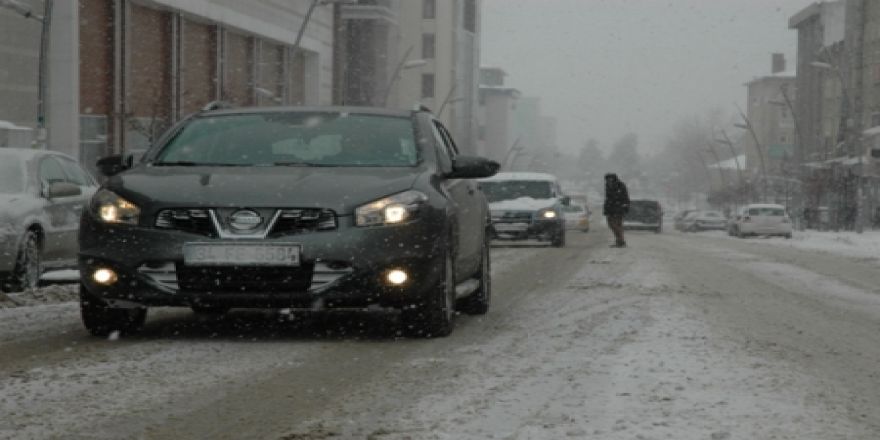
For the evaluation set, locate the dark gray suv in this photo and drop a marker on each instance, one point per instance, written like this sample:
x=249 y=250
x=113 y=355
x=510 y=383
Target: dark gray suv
x=301 y=208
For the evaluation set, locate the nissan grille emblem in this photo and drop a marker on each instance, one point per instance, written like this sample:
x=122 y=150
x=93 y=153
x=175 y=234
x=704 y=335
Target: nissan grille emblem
x=245 y=220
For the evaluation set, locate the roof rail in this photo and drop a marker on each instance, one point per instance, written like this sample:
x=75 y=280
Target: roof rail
x=217 y=105
x=419 y=107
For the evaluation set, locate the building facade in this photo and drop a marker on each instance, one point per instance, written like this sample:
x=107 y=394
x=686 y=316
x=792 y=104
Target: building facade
x=365 y=48
x=146 y=64
x=445 y=34
x=496 y=136
x=820 y=33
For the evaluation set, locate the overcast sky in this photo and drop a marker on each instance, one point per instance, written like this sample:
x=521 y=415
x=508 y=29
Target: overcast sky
x=605 y=67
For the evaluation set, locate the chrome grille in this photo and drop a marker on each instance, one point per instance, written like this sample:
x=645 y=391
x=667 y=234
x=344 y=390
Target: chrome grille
x=189 y=220
x=295 y=221
x=279 y=221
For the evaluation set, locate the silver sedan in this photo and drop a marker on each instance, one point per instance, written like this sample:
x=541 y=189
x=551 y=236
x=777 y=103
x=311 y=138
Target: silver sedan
x=42 y=194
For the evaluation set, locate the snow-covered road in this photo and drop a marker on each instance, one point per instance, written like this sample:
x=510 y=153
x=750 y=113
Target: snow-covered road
x=680 y=336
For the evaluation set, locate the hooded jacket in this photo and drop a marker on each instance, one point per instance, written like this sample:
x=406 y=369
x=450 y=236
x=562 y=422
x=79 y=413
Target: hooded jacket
x=616 y=197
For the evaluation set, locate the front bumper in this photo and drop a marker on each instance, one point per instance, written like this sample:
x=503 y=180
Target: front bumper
x=535 y=229
x=339 y=268
x=641 y=226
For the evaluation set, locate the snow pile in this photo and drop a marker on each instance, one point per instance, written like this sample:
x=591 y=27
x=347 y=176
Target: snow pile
x=44 y=295
x=865 y=245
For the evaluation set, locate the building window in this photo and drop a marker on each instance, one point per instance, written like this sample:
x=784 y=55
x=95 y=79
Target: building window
x=428 y=46
x=429 y=9
x=470 y=15
x=427 y=85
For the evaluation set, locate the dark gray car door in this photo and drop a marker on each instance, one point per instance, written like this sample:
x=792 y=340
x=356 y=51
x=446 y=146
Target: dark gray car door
x=469 y=212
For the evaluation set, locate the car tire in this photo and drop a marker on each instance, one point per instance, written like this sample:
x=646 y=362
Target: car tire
x=28 y=265
x=435 y=315
x=101 y=320
x=478 y=302
x=558 y=238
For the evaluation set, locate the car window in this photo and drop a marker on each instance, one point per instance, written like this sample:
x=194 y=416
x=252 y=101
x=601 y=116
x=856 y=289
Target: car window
x=496 y=191
x=277 y=138
x=767 y=212
x=51 y=171
x=574 y=208
x=75 y=173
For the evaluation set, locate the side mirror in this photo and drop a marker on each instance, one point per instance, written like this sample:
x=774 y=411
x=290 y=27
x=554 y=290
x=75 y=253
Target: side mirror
x=566 y=201
x=113 y=165
x=59 y=190
x=472 y=167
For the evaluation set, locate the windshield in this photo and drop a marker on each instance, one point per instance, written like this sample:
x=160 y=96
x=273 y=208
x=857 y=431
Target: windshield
x=767 y=212
x=11 y=174
x=515 y=189
x=317 y=139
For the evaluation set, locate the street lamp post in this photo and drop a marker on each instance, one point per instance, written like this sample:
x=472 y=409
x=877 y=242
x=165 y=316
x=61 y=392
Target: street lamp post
x=42 y=69
x=402 y=65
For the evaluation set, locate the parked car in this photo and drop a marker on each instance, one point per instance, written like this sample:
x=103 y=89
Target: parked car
x=301 y=208
x=577 y=217
x=526 y=206
x=644 y=215
x=678 y=220
x=761 y=219
x=704 y=221
x=42 y=194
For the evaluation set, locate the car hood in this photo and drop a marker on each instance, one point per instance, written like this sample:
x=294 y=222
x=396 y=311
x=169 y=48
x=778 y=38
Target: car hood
x=339 y=189
x=522 y=204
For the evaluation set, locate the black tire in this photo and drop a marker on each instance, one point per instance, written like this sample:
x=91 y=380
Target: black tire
x=434 y=316
x=558 y=238
x=478 y=302
x=28 y=265
x=102 y=320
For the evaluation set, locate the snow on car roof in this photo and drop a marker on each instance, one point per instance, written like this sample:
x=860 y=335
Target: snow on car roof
x=28 y=153
x=519 y=175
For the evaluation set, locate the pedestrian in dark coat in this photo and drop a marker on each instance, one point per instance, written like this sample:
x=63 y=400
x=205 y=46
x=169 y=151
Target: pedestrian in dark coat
x=616 y=206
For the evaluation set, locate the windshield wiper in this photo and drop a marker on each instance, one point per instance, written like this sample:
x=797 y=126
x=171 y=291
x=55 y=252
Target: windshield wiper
x=186 y=163
x=302 y=164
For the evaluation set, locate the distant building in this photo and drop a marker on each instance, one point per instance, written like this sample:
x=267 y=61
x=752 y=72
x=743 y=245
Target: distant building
x=821 y=31
x=446 y=34
x=365 y=51
x=497 y=104
x=772 y=120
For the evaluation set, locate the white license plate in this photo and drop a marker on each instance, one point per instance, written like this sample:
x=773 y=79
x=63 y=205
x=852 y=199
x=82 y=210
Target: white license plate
x=511 y=227
x=250 y=254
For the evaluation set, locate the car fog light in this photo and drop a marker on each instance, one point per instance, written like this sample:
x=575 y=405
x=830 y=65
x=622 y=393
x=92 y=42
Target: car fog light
x=396 y=277
x=104 y=276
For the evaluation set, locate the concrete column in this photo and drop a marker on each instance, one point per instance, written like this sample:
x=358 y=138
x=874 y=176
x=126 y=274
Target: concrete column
x=62 y=110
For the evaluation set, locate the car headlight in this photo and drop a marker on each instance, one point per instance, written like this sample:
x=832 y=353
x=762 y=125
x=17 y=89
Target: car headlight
x=390 y=210
x=547 y=214
x=108 y=207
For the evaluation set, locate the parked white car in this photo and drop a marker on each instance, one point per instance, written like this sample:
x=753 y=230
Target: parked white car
x=577 y=217
x=761 y=219
x=704 y=221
